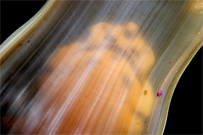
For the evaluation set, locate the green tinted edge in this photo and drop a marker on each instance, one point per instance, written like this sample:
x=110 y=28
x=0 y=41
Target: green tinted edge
x=164 y=113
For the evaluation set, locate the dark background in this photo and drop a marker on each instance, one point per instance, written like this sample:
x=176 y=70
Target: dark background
x=185 y=113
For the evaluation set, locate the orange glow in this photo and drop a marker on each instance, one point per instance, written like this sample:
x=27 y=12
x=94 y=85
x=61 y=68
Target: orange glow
x=96 y=85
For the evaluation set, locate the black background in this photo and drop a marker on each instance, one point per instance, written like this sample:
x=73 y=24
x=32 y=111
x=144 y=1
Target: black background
x=185 y=113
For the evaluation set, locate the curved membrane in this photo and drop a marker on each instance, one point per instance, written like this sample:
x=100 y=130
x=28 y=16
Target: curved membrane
x=100 y=68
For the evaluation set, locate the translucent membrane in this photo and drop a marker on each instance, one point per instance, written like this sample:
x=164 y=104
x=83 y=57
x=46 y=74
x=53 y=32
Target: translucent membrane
x=96 y=67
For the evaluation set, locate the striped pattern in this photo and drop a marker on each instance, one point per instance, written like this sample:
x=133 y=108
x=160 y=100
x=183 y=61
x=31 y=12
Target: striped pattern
x=100 y=67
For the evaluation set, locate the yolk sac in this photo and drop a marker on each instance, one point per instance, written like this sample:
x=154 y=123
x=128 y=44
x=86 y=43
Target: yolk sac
x=160 y=92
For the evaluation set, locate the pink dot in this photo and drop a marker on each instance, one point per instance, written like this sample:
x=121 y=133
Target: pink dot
x=160 y=92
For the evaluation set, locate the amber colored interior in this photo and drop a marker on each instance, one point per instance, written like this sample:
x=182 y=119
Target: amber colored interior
x=96 y=85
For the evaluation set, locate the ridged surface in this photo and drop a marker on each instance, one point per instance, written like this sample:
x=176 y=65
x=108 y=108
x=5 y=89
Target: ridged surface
x=100 y=67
